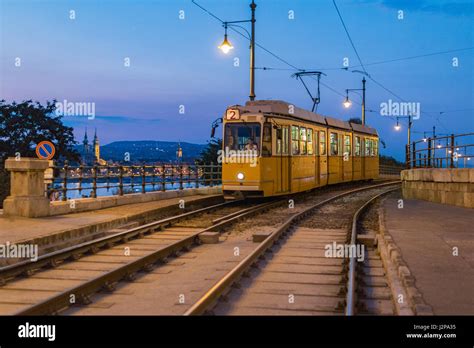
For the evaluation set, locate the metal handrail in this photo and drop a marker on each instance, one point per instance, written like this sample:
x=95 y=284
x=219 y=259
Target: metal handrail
x=124 y=179
x=434 y=155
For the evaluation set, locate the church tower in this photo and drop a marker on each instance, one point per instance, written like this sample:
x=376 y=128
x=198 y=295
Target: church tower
x=85 y=147
x=96 y=147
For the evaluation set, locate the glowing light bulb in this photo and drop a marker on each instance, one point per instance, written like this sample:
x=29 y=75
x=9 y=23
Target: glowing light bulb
x=347 y=103
x=226 y=46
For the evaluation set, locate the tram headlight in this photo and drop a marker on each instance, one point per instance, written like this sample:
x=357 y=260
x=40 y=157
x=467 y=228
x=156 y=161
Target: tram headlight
x=240 y=176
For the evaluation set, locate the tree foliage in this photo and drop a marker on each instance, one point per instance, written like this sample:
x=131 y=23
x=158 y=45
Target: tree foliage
x=22 y=126
x=355 y=120
x=390 y=161
x=210 y=152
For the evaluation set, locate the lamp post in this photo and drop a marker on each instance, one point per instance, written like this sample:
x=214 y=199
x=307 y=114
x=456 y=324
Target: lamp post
x=347 y=103
x=397 y=127
x=410 y=123
x=226 y=46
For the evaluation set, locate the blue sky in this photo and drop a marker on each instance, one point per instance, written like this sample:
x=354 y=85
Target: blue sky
x=176 y=62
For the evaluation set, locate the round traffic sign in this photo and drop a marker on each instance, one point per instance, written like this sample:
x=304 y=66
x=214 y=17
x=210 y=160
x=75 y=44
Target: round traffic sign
x=45 y=150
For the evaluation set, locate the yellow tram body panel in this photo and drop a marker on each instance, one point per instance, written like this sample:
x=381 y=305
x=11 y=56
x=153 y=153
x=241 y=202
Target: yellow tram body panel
x=273 y=148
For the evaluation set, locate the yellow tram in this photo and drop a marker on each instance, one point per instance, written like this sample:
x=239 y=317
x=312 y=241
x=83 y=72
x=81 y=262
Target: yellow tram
x=271 y=148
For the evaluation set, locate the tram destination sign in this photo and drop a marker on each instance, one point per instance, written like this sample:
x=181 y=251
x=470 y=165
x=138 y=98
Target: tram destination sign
x=232 y=114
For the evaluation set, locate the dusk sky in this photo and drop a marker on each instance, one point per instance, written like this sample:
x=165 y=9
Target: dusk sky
x=176 y=62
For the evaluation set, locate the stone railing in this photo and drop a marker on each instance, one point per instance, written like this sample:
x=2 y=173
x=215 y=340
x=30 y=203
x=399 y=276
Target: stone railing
x=453 y=186
x=31 y=194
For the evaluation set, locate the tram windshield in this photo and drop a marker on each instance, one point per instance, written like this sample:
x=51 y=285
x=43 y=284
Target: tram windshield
x=242 y=136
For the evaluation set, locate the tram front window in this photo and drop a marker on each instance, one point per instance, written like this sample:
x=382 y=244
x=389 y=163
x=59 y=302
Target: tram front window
x=242 y=137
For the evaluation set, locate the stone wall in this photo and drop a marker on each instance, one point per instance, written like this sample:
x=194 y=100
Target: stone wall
x=441 y=185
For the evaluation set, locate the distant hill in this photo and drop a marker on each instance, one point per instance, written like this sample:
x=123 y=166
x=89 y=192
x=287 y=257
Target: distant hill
x=148 y=151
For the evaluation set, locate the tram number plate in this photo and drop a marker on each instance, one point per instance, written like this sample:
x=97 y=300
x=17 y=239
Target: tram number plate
x=232 y=114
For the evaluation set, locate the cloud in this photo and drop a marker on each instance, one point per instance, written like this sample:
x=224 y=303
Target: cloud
x=72 y=120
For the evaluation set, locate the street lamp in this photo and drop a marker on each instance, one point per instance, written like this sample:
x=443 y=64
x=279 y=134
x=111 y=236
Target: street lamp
x=397 y=126
x=347 y=103
x=226 y=46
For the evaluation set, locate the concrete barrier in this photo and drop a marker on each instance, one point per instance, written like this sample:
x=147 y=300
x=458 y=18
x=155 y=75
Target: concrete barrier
x=88 y=204
x=27 y=196
x=453 y=186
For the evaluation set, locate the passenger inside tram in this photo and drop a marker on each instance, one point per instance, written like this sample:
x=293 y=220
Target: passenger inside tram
x=251 y=146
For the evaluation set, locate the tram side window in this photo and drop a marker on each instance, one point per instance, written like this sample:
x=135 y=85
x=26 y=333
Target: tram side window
x=282 y=140
x=357 y=146
x=347 y=145
x=375 y=145
x=279 y=135
x=302 y=141
x=286 y=139
x=322 y=143
x=295 y=140
x=267 y=140
x=333 y=144
x=309 y=135
x=368 y=145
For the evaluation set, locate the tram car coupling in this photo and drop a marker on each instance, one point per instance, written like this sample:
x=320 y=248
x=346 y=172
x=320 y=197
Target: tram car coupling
x=272 y=148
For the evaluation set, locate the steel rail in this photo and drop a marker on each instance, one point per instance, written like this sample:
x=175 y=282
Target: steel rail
x=81 y=293
x=218 y=289
x=351 y=280
x=75 y=252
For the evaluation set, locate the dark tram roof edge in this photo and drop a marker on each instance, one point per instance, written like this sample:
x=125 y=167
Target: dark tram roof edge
x=280 y=107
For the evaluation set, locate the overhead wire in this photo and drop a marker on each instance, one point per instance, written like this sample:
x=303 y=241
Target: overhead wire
x=361 y=64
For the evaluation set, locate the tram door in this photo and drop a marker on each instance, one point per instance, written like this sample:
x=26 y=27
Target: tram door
x=323 y=159
x=283 y=159
x=315 y=141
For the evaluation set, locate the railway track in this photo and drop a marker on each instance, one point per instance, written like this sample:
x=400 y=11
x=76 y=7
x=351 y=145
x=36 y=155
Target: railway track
x=289 y=272
x=70 y=276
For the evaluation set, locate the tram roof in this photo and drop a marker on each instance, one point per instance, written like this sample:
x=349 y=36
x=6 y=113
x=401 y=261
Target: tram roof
x=280 y=107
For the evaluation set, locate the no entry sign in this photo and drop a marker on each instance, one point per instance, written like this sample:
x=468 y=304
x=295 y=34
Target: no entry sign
x=45 y=150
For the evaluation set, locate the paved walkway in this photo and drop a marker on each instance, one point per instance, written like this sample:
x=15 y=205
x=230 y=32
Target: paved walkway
x=426 y=233
x=19 y=229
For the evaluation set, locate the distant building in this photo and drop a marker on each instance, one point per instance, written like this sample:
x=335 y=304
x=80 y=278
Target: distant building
x=90 y=153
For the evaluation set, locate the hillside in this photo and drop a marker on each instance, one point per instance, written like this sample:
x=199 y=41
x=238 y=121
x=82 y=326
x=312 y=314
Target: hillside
x=148 y=151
